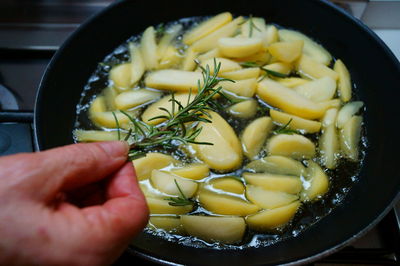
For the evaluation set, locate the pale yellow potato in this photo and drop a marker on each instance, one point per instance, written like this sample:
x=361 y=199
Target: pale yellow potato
x=189 y=63
x=98 y=105
x=245 y=109
x=210 y=41
x=168 y=223
x=268 y=199
x=319 y=90
x=326 y=105
x=171 y=58
x=272 y=219
x=149 y=191
x=165 y=42
x=258 y=31
x=161 y=206
x=330 y=117
x=173 y=79
x=195 y=171
x=261 y=58
x=254 y=136
x=226 y=153
x=317 y=183
x=310 y=48
x=228 y=184
x=214 y=53
x=244 y=87
x=206 y=27
x=347 y=111
x=329 y=146
x=246 y=73
x=225 y=204
x=286 y=51
x=280 y=67
x=109 y=98
x=296 y=123
x=291 y=82
x=277 y=165
x=227 y=230
x=310 y=68
x=288 y=100
x=154 y=109
x=271 y=36
x=350 y=138
x=344 y=83
x=154 y=160
x=239 y=46
x=226 y=65
x=132 y=98
x=96 y=135
x=121 y=75
x=165 y=182
x=148 y=48
x=137 y=64
x=275 y=182
x=107 y=119
x=295 y=146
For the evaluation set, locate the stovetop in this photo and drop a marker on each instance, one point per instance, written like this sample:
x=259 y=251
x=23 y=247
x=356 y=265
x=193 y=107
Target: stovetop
x=30 y=33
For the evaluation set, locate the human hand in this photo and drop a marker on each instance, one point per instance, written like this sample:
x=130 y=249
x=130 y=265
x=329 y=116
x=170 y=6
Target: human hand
x=75 y=205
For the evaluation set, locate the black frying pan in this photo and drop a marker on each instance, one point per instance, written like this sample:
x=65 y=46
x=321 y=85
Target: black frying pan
x=374 y=70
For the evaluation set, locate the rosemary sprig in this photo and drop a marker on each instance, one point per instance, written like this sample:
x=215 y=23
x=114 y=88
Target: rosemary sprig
x=267 y=73
x=285 y=130
x=181 y=200
x=118 y=127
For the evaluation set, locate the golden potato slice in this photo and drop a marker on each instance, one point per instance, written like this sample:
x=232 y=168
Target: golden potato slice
x=288 y=100
x=310 y=68
x=271 y=36
x=194 y=171
x=225 y=204
x=330 y=117
x=165 y=42
x=329 y=147
x=109 y=98
x=165 y=182
x=148 y=48
x=268 y=199
x=318 y=90
x=272 y=219
x=226 y=153
x=283 y=68
x=238 y=46
x=326 y=105
x=226 y=65
x=132 y=98
x=154 y=109
x=98 y=105
x=310 y=48
x=171 y=58
x=173 y=79
x=206 y=27
x=241 y=74
x=350 y=138
x=161 y=206
x=347 y=111
x=261 y=58
x=244 y=87
x=277 y=165
x=214 y=53
x=254 y=136
x=344 y=83
x=170 y=224
x=291 y=82
x=96 y=135
x=227 y=230
x=275 y=182
x=107 y=119
x=297 y=123
x=228 y=184
x=154 y=160
x=256 y=30
x=245 y=109
x=121 y=75
x=286 y=51
x=137 y=63
x=317 y=183
x=210 y=41
x=295 y=146
x=189 y=63
x=150 y=192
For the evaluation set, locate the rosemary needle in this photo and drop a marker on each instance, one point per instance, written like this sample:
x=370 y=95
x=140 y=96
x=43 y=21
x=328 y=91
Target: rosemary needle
x=181 y=200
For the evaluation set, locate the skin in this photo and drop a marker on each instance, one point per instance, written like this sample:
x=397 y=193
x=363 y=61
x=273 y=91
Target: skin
x=75 y=205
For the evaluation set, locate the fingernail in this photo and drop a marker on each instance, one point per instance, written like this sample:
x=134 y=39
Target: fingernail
x=115 y=148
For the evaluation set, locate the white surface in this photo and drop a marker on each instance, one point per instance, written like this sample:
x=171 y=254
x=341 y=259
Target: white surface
x=392 y=39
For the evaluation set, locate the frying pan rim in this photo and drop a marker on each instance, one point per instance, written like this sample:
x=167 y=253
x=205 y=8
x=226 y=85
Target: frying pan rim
x=39 y=143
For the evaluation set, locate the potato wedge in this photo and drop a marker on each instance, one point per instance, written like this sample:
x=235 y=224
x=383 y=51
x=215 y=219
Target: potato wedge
x=317 y=183
x=262 y=57
x=350 y=138
x=175 y=80
x=214 y=53
x=165 y=42
x=286 y=51
x=161 y=206
x=329 y=147
x=189 y=63
x=168 y=183
x=244 y=87
x=291 y=82
x=170 y=224
x=295 y=146
x=148 y=48
x=245 y=109
x=228 y=184
x=137 y=64
x=272 y=219
x=98 y=105
x=238 y=46
x=129 y=99
x=154 y=160
x=296 y=123
x=274 y=182
x=109 y=98
x=121 y=75
x=277 y=165
x=107 y=119
x=268 y=199
x=344 y=83
x=283 y=68
x=241 y=74
x=195 y=171
x=171 y=58
x=330 y=117
x=206 y=27
x=226 y=65
x=227 y=230
x=257 y=30
x=254 y=136
x=347 y=111
x=225 y=204
x=288 y=100
x=318 y=90
x=310 y=68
